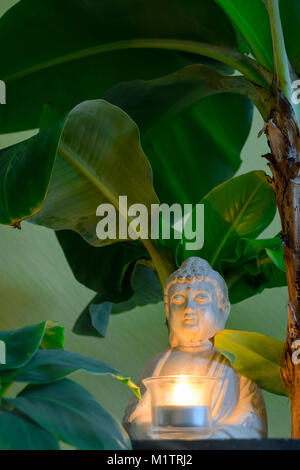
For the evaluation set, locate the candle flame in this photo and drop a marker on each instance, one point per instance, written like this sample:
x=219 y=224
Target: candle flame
x=184 y=393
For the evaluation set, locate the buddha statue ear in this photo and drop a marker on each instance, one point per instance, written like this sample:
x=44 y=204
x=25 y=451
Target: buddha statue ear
x=167 y=315
x=225 y=308
x=226 y=305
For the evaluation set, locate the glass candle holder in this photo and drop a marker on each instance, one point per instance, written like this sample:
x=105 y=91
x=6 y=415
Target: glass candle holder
x=181 y=406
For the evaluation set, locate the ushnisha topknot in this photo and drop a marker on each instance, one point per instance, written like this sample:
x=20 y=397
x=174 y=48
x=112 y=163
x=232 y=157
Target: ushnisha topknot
x=198 y=269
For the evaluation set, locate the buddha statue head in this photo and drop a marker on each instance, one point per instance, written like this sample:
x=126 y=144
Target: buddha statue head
x=196 y=303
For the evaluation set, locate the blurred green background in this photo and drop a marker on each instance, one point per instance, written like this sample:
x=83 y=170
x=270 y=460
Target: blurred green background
x=36 y=284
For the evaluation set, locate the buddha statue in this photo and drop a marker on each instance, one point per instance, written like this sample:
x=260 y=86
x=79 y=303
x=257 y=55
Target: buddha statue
x=197 y=307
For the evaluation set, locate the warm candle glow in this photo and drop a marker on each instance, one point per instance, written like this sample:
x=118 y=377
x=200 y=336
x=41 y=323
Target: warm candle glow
x=181 y=406
x=184 y=394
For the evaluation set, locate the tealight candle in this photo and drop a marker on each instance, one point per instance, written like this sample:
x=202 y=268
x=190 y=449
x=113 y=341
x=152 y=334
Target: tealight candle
x=180 y=405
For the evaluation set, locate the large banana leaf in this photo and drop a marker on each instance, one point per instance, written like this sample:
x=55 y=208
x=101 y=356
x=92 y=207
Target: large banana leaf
x=98 y=158
x=171 y=116
x=66 y=52
x=185 y=88
x=185 y=131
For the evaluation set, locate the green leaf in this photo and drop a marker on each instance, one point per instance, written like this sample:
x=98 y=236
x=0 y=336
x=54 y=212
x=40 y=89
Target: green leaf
x=180 y=121
x=102 y=269
x=27 y=165
x=52 y=365
x=54 y=337
x=239 y=208
x=170 y=117
x=20 y=434
x=255 y=356
x=95 y=318
x=97 y=45
x=250 y=18
x=258 y=265
x=97 y=138
x=71 y=414
x=277 y=256
x=21 y=345
x=290 y=18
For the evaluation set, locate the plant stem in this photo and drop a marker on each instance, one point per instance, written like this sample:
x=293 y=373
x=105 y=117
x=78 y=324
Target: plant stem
x=281 y=62
x=282 y=132
x=163 y=264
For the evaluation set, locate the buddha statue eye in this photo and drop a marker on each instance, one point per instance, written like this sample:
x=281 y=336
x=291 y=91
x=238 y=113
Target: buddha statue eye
x=178 y=299
x=203 y=297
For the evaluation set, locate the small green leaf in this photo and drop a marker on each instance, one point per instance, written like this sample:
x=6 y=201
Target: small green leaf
x=277 y=256
x=130 y=384
x=49 y=365
x=71 y=414
x=21 y=345
x=239 y=208
x=257 y=265
x=255 y=356
x=54 y=337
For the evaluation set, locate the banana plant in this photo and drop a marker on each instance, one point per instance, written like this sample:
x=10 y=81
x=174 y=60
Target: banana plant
x=50 y=407
x=155 y=101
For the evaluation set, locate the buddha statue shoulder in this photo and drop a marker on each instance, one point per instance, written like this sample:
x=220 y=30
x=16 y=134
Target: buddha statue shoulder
x=197 y=307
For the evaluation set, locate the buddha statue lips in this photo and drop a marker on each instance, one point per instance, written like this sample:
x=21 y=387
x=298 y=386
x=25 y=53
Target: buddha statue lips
x=197 y=307
x=190 y=318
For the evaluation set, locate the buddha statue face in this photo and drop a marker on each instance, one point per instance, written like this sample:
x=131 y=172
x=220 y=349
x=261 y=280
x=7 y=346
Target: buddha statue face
x=196 y=302
x=193 y=311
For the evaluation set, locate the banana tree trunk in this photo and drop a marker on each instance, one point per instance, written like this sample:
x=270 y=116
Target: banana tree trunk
x=283 y=136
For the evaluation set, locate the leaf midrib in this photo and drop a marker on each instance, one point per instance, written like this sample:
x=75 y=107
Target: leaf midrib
x=233 y=226
x=84 y=170
x=234 y=59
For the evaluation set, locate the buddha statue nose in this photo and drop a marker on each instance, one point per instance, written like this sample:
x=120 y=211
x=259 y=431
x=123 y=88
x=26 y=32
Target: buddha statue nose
x=190 y=303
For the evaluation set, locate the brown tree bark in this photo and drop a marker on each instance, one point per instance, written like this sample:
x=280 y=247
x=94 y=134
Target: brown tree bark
x=283 y=136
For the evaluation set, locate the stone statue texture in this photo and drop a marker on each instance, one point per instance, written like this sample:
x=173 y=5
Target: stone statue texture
x=197 y=307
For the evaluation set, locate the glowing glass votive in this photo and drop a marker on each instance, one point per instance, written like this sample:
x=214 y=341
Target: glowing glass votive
x=181 y=406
